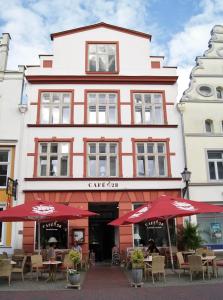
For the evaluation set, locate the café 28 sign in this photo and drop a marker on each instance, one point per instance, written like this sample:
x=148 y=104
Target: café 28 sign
x=103 y=184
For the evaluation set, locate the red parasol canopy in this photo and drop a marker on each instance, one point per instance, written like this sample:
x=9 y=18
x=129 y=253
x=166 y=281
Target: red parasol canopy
x=43 y=211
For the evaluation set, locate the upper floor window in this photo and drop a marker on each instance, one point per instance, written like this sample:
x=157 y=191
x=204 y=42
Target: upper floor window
x=148 y=108
x=219 y=92
x=102 y=57
x=215 y=164
x=209 y=126
x=4 y=166
x=205 y=90
x=53 y=159
x=55 y=108
x=102 y=160
x=102 y=108
x=151 y=159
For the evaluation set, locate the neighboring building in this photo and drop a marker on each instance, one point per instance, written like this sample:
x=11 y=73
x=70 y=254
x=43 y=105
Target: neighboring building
x=11 y=123
x=103 y=133
x=202 y=110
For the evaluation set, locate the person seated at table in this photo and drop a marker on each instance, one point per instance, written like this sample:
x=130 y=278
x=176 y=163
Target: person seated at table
x=51 y=254
x=77 y=247
x=152 y=248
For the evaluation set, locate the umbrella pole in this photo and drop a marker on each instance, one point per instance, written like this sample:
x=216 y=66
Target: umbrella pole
x=38 y=238
x=170 y=246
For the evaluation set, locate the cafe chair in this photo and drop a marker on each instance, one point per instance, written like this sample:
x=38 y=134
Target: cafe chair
x=196 y=265
x=157 y=267
x=37 y=265
x=6 y=269
x=20 y=269
x=66 y=265
x=182 y=265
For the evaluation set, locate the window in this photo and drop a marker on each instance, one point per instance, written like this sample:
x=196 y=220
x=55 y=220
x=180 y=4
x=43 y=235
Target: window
x=55 y=108
x=151 y=159
x=102 y=108
x=222 y=126
x=102 y=57
x=209 y=126
x=1 y=230
x=148 y=108
x=4 y=166
x=205 y=90
x=215 y=164
x=102 y=159
x=219 y=92
x=53 y=159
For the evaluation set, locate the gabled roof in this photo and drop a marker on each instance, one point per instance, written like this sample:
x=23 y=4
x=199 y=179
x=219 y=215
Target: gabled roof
x=98 y=25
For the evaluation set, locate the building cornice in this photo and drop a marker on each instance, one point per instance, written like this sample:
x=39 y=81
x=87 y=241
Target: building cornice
x=100 y=79
x=207 y=183
x=103 y=179
x=102 y=126
x=204 y=135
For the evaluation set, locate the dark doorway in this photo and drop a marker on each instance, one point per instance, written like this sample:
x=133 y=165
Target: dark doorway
x=101 y=235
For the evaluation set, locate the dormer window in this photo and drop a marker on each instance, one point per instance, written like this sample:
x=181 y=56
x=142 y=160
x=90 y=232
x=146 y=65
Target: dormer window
x=102 y=57
x=208 y=126
x=219 y=92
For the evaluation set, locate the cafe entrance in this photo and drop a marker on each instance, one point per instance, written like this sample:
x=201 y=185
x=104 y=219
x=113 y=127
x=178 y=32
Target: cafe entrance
x=102 y=236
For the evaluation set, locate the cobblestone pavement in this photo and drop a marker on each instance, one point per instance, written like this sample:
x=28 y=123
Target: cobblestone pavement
x=108 y=283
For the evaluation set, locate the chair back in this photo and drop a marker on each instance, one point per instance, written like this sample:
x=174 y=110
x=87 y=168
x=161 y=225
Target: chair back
x=67 y=262
x=154 y=254
x=209 y=252
x=19 y=252
x=200 y=251
x=23 y=262
x=195 y=263
x=180 y=258
x=36 y=260
x=5 y=267
x=158 y=264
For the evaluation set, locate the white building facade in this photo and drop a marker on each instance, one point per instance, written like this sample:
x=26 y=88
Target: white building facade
x=201 y=107
x=11 y=135
x=102 y=133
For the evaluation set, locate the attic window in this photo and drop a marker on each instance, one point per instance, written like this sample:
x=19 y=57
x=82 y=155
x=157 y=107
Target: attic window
x=102 y=57
x=205 y=90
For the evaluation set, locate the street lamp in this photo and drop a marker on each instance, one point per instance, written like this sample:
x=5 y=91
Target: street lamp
x=186 y=178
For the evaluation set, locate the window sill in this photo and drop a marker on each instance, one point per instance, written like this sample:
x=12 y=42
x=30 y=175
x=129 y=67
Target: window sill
x=104 y=73
x=103 y=179
x=105 y=125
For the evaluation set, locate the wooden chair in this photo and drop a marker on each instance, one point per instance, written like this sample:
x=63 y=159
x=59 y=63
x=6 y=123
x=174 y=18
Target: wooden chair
x=181 y=263
x=157 y=267
x=196 y=265
x=37 y=265
x=20 y=269
x=6 y=269
x=66 y=265
x=19 y=252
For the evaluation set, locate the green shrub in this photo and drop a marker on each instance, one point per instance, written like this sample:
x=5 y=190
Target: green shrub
x=137 y=259
x=75 y=257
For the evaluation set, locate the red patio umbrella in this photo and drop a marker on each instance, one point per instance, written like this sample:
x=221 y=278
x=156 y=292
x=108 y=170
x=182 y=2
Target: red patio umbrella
x=165 y=208
x=42 y=211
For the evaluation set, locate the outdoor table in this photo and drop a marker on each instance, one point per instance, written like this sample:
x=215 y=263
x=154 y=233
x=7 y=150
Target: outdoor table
x=12 y=262
x=52 y=268
x=209 y=259
x=148 y=259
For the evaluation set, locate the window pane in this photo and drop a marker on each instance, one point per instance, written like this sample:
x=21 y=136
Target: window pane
x=141 y=165
x=64 y=148
x=4 y=156
x=138 y=114
x=92 y=63
x=220 y=169
x=102 y=114
x=158 y=114
x=54 y=148
x=92 y=148
x=103 y=63
x=150 y=148
x=53 y=165
x=148 y=115
x=112 y=98
x=101 y=49
x=111 y=49
x=56 y=98
x=3 y=169
x=92 y=48
x=102 y=166
x=102 y=148
x=138 y=98
x=102 y=98
x=64 y=166
x=43 y=165
x=140 y=148
x=66 y=98
x=55 y=115
x=113 y=148
x=92 y=166
x=212 y=170
x=3 y=180
x=45 y=98
x=45 y=115
x=158 y=98
x=161 y=162
x=43 y=148
x=214 y=155
x=113 y=166
x=111 y=63
x=92 y=115
x=112 y=115
x=208 y=126
x=147 y=98
x=91 y=98
x=160 y=148
x=151 y=166
x=66 y=115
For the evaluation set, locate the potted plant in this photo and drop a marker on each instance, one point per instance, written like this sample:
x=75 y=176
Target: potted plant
x=189 y=238
x=137 y=259
x=73 y=274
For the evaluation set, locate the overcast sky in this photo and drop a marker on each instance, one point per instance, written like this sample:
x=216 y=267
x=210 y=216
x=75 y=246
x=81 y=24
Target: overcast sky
x=180 y=29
